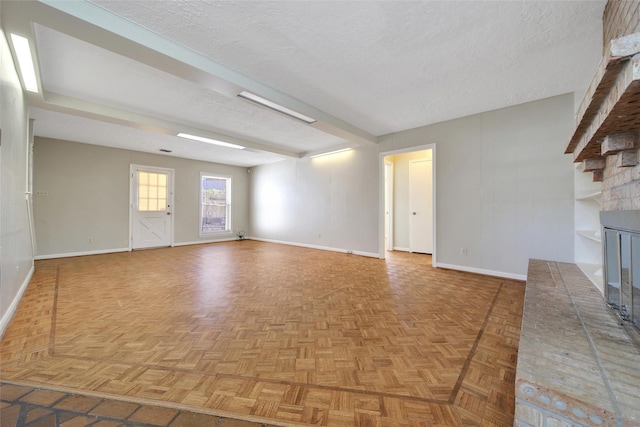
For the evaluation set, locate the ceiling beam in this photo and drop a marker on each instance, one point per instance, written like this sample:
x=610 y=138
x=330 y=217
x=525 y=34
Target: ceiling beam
x=89 y=22
x=69 y=105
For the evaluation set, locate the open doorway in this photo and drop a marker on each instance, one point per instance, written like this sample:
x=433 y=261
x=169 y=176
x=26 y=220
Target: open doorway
x=407 y=208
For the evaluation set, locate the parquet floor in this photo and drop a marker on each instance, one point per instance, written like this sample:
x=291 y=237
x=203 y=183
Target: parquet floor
x=273 y=333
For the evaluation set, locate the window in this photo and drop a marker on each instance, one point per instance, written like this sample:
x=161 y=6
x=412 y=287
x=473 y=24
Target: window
x=215 y=203
x=152 y=191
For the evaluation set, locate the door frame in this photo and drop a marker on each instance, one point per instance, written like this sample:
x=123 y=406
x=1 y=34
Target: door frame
x=388 y=201
x=132 y=170
x=381 y=189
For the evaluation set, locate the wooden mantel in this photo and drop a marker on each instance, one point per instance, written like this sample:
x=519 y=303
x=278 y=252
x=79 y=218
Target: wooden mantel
x=612 y=102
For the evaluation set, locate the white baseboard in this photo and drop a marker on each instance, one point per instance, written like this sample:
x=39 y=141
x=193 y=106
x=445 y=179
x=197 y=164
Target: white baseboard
x=72 y=254
x=6 y=319
x=482 y=271
x=398 y=248
x=202 y=242
x=322 y=248
x=115 y=250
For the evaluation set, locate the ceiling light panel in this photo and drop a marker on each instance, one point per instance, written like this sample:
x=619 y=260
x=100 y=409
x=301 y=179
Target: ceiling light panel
x=277 y=107
x=329 y=153
x=25 y=62
x=210 y=141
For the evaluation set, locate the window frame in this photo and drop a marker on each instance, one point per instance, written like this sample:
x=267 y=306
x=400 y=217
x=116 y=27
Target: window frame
x=229 y=193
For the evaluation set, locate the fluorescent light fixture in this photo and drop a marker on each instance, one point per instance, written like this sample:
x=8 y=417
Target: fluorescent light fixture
x=330 y=152
x=210 y=141
x=269 y=104
x=25 y=62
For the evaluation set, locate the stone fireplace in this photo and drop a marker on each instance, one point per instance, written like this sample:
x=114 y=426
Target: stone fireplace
x=606 y=145
x=579 y=352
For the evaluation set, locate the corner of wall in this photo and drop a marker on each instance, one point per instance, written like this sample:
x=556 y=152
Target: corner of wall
x=8 y=315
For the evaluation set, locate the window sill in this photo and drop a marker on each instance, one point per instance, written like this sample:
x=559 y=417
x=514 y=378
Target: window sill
x=217 y=233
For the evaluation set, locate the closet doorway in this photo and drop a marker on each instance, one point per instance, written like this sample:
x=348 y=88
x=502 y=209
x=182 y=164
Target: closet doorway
x=407 y=208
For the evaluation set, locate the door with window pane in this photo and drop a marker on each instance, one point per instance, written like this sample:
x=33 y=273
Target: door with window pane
x=151 y=210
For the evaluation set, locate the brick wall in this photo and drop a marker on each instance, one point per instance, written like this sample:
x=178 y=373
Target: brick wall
x=620 y=19
x=621 y=185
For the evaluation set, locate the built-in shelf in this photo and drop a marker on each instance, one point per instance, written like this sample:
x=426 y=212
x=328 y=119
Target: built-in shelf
x=596 y=197
x=594 y=235
x=588 y=241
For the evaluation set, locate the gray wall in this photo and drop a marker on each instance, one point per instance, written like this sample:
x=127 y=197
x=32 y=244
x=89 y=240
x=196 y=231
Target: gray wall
x=329 y=202
x=16 y=257
x=504 y=190
x=87 y=196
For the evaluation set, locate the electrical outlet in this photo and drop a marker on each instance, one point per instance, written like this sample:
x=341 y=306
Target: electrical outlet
x=90 y=240
x=463 y=251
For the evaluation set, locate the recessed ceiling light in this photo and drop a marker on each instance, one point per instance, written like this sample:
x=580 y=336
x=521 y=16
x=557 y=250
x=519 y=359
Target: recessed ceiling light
x=210 y=141
x=277 y=107
x=25 y=62
x=330 y=152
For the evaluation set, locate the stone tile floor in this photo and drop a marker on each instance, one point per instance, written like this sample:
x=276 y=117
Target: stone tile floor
x=26 y=406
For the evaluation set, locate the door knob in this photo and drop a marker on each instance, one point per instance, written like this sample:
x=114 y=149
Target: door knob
x=168 y=213
x=414 y=213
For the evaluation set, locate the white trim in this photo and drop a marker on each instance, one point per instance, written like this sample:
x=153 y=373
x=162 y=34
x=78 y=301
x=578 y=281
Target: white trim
x=367 y=254
x=8 y=315
x=398 y=248
x=83 y=253
x=29 y=192
x=483 y=271
x=115 y=250
x=388 y=202
x=202 y=242
x=322 y=248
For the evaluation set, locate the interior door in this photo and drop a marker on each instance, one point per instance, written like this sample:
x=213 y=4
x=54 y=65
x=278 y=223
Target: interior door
x=151 y=207
x=421 y=206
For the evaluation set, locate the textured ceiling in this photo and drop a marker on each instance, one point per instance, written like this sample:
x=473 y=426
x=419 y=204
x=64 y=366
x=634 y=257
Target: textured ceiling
x=391 y=66
x=141 y=71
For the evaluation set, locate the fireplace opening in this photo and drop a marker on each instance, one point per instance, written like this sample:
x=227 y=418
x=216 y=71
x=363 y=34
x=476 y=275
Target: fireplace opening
x=621 y=255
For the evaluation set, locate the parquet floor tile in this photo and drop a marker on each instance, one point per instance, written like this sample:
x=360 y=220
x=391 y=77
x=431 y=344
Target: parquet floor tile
x=261 y=331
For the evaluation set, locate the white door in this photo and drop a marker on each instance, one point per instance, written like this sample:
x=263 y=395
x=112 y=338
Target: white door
x=421 y=206
x=151 y=207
